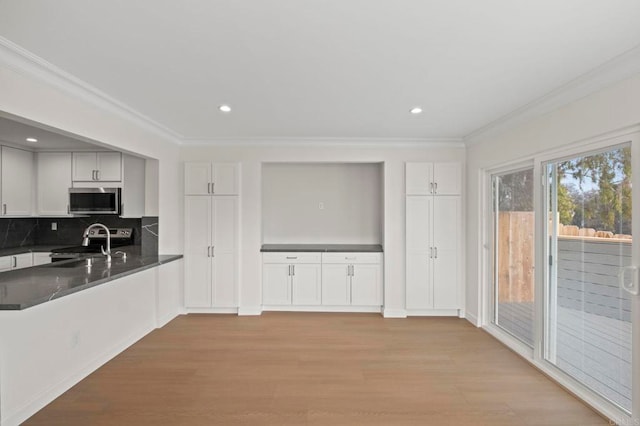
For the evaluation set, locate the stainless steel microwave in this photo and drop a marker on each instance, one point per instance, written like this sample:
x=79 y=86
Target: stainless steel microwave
x=95 y=200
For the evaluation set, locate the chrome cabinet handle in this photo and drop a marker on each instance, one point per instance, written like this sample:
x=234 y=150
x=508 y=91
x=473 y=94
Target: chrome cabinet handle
x=435 y=188
x=292 y=257
x=208 y=251
x=15 y=262
x=213 y=187
x=430 y=252
x=4 y=209
x=293 y=270
x=97 y=174
x=208 y=187
x=93 y=175
x=430 y=187
x=436 y=252
x=213 y=251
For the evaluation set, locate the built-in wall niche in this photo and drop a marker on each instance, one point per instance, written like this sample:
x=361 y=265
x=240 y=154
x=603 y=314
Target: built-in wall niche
x=322 y=203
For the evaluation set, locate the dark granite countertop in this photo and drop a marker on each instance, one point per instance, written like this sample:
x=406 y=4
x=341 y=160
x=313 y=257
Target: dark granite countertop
x=23 y=288
x=325 y=248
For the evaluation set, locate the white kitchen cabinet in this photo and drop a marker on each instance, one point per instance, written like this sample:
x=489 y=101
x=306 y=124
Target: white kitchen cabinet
x=97 y=167
x=53 y=183
x=433 y=248
x=17 y=182
x=433 y=178
x=211 y=258
x=204 y=178
x=17 y=261
x=352 y=279
x=41 y=258
x=291 y=279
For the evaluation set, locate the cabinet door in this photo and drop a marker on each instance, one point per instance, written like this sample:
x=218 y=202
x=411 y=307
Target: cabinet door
x=84 y=166
x=225 y=179
x=366 y=288
x=109 y=166
x=419 y=293
x=276 y=284
x=53 y=183
x=336 y=289
x=17 y=182
x=223 y=249
x=24 y=260
x=197 y=263
x=418 y=178
x=6 y=263
x=447 y=178
x=43 y=258
x=197 y=178
x=306 y=284
x=446 y=240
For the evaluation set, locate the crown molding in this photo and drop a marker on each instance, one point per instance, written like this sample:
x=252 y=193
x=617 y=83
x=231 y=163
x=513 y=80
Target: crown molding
x=617 y=69
x=31 y=65
x=324 y=142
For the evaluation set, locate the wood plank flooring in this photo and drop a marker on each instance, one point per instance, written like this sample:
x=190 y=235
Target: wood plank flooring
x=316 y=369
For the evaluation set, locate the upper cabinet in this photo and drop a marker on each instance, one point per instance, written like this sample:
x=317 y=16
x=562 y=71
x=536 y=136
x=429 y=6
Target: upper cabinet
x=17 y=182
x=97 y=167
x=53 y=183
x=433 y=179
x=204 y=178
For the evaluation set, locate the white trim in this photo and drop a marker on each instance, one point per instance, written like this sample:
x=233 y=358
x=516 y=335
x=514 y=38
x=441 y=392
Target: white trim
x=286 y=141
x=394 y=313
x=472 y=319
x=211 y=310
x=433 y=312
x=321 y=308
x=45 y=397
x=617 y=69
x=249 y=311
x=27 y=63
x=161 y=322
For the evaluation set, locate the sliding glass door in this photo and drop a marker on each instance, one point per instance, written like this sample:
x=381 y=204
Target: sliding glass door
x=589 y=245
x=513 y=253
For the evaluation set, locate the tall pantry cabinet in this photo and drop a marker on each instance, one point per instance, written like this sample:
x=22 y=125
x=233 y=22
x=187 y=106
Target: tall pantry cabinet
x=211 y=236
x=433 y=238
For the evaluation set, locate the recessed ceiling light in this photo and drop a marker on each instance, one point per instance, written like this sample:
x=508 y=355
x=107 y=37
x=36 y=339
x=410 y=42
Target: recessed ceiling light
x=32 y=140
x=224 y=108
x=416 y=110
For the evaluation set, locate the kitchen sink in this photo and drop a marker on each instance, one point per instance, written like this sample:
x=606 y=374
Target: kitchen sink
x=72 y=263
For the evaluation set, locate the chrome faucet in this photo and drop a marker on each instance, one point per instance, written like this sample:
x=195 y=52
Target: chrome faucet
x=85 y=239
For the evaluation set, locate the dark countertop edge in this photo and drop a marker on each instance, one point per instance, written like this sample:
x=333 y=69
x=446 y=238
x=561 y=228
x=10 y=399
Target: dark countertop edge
x=45 y=248
x=162 y=259
x=322 y=248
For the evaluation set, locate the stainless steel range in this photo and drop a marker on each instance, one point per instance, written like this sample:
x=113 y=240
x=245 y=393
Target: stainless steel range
x=120 y=237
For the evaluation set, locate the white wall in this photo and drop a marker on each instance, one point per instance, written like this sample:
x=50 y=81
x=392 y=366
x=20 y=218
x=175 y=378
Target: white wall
x=351 y=195
x=611 y=109
x=48 y=101
x=392 y=155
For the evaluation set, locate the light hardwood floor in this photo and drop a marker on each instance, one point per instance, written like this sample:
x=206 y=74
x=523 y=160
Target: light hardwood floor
x=316 y=369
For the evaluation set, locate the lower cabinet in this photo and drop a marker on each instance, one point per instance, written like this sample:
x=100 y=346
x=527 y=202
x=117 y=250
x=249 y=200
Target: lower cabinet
x=291 y=279
x=41 y=258
x=322 y=280
x=18 y=261
x=352 y=279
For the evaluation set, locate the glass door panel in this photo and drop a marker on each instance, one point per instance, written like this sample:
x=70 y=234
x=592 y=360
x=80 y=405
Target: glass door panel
x=587 y=314
x=513 y=248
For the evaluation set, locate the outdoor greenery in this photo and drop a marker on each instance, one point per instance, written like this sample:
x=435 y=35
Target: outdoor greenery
x=594 y=191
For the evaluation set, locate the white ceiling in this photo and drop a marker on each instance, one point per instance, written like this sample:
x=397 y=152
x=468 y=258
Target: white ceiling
x=15 y=133
x=324 y=68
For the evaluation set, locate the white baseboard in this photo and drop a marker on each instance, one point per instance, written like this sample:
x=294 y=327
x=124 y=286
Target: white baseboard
x=320 y=308
x=250 y=311
x=161 y=322
x=45 y=397
x=472 y=319
x=432 y=312
x=394 y=313
x=211 y=310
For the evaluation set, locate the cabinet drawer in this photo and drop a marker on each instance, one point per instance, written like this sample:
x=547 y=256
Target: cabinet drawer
x=292 y=257
x=352 y=258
